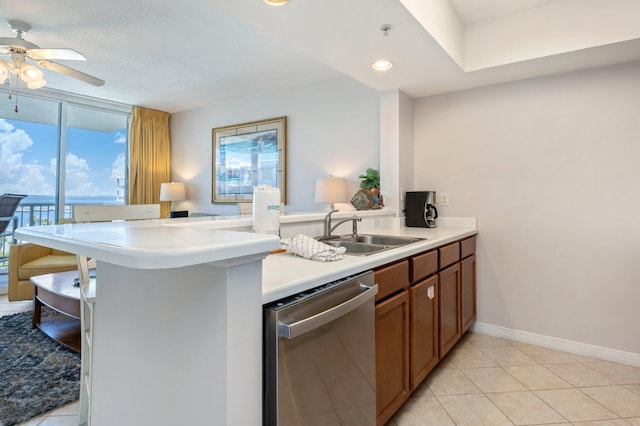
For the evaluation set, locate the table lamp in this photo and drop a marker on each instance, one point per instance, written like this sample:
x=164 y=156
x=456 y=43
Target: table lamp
x=173 y=191
x=331 y=190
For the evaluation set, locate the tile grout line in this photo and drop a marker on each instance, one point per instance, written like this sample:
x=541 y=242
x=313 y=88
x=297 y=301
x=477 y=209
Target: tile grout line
x=518 y=381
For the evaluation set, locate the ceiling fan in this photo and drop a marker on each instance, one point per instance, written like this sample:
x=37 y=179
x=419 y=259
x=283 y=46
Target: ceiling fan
x=20 y=50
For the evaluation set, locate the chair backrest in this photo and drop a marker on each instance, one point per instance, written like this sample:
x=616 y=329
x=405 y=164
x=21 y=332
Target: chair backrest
x=109 y=213
x=8 y=206
x=94 y=213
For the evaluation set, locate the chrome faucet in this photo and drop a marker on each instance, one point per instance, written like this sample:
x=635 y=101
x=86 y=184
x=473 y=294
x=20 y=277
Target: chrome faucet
x=329 y=228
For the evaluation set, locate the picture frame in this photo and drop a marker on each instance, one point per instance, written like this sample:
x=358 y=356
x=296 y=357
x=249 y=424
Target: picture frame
x=247 y=155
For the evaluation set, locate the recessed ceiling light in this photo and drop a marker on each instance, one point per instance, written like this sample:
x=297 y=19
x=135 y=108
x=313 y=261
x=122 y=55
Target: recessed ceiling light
x=382 y=65
x=276 y=2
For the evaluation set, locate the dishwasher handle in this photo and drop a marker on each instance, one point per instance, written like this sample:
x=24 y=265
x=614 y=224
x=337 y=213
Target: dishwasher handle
x=298 y=328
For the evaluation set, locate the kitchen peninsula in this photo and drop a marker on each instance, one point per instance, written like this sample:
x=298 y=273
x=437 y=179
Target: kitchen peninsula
x=177 y=335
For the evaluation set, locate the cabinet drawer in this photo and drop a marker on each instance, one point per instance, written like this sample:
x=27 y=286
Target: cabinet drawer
x=449 y=254
x=467 y=247
x=392 y=278
x=423 y=265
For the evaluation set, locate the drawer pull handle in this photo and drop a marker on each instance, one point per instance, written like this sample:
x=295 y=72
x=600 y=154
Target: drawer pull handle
x=431 y=292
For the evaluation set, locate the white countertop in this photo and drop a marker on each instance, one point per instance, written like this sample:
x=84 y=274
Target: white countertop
x=151 y=244
x=284 y=274
x=173 y=243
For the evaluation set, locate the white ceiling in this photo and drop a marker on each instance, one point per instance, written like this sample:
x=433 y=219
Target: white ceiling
x=474 y=11
x=179 y=55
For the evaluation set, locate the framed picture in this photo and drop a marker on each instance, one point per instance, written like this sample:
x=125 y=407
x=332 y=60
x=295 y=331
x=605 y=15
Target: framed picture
x=247 y=155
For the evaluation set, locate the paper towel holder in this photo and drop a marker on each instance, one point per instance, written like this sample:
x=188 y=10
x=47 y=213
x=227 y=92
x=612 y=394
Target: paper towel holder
x=247 y=208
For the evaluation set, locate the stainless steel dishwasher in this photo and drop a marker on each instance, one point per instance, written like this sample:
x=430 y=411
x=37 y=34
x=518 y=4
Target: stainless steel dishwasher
x=319 y=355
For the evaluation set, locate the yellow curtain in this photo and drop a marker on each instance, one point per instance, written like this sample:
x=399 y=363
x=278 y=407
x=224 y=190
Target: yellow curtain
x=149 y=157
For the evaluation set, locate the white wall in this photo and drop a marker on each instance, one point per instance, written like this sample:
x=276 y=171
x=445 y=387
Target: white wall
x=551 y=169
x=332 y=128
x=396 y=148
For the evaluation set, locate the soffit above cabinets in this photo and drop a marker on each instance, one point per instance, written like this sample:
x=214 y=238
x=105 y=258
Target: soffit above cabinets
x=538 y=29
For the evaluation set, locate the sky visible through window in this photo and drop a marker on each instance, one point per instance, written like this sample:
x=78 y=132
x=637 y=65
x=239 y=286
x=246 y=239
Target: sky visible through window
x=28 y=156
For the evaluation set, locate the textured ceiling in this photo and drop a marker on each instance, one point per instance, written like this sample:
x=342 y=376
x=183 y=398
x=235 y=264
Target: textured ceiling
x=175 y=56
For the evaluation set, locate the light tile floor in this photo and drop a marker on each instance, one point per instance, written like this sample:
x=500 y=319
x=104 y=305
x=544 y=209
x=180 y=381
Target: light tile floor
x=490 y=381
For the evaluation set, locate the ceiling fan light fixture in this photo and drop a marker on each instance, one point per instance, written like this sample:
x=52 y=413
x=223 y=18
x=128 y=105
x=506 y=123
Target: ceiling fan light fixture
x=382 y=65
x=30 y=74
x=275 y=2
x=20 y=50
x=37 y=84
x=4 y=71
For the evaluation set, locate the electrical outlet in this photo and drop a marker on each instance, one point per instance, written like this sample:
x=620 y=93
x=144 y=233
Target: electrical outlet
x=444 y=199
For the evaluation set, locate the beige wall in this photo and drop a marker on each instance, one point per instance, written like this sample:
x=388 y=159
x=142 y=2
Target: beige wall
x=332 y=128
x=551 y=169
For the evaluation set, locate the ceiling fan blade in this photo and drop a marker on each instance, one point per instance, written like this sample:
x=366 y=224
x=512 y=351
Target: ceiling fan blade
x=63 y=54
x=7 y=41
x=62 y=69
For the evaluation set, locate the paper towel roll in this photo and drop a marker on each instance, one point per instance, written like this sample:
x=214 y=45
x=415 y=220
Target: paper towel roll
x=266 y=210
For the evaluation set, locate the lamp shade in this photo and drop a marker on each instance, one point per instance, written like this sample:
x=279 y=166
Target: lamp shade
x=173 y=191
x=331 y=190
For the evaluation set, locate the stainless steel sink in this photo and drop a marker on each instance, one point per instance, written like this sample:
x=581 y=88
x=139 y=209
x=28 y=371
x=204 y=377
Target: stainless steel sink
x=366 y=244
x=357 y=249
x=386 y=240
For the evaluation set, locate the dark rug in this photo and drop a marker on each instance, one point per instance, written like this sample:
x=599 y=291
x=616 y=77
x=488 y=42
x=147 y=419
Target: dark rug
x=37 y=374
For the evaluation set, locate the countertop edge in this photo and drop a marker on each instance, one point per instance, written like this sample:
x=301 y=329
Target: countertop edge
x=286 y=274
x=157 y=257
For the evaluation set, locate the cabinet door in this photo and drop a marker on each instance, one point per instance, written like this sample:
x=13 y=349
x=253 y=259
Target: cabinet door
x=423 y=329
x=449 y=329
x=392 y=355
x=467 y=292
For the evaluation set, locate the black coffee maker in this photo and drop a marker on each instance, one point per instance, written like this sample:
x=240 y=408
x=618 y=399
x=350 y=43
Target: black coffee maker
x=420 y=209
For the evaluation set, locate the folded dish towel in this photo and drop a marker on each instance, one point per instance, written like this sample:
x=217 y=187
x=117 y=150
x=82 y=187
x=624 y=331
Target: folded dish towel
x=312 y=249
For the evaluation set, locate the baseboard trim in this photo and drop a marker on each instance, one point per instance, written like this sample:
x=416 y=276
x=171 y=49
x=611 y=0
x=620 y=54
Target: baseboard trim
x=599 y=352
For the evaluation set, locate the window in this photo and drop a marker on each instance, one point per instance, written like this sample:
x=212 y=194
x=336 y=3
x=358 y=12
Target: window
x=95 y=157
x=60 y=153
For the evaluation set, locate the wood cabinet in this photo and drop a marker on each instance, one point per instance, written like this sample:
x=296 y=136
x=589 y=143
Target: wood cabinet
x=424 y=305
x=449 y=330
x=467 y=283
x=449 y=254
x=392 y=355
x=467 y=292
x=392 y=278
x=423 y=329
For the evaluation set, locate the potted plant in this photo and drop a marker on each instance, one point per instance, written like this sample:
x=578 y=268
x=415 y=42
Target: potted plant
x=369 y=195
x=370 y=180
